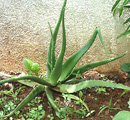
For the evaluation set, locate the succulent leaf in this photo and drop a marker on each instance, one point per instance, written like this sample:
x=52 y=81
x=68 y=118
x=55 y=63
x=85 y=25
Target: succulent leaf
x=69 y=65
x=101 y=39
x=58 y=66
x=51 y=99
x=39 y=80
x=92 y=65
x=72 y=61
x=65 y=88
x=51 y=51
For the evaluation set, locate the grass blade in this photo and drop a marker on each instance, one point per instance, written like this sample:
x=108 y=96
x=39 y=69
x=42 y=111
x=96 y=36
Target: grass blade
x=58 y=65
x=116 y=3
x=29 y=77
x=50 y=98
x=127 y=6
x=102 y=110
x=121 y=10
x=114 y=11
x=124 y=33
x=64 y=88
x=122 y=7
x=128 y=20
x=110 y=102
x=128 y=28
x=31 y=96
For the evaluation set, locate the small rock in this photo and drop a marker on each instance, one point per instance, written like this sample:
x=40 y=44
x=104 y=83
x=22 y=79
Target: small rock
x=8 y=85
x=117 y=105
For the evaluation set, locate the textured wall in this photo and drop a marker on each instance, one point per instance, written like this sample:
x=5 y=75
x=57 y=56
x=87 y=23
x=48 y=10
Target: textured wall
x=24 y=31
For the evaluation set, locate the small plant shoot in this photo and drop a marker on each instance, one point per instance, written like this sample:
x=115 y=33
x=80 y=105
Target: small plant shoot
x=30 y=66
x=60 y=74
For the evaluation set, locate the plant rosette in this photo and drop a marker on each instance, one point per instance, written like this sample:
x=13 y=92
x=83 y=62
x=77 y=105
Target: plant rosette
x=60 y=75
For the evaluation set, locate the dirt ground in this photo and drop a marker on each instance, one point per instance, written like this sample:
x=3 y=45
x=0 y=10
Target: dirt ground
x=93 y=99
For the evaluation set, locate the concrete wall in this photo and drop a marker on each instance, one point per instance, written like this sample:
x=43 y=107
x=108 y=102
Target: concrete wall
x=24 y=31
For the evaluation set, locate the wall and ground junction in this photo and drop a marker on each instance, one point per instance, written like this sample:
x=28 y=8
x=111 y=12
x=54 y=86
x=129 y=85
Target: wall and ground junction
x=24 y=32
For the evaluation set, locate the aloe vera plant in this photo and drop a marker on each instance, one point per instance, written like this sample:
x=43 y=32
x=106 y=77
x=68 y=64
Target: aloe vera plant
x=59 y=74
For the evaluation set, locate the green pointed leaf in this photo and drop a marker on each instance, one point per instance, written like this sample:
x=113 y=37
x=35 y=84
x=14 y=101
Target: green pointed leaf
x=116 y=3
x=110 y=102
x=80 y=94
x=114 y=11
x=124 y=33
x=102 y=110
x=128 y=28
x=65 y=88
x=49 y=65
x=125 y=67
x=28 y=83
x=31 y=96
x=127 y=6
x=101 y=39
x=72 y=61
x=74 y=81
x=128 y=20
x=28 y=77
x=122 y=7
x=122 y=115
x=54 y=36
x=50 y=28
x=51 y=99
x=121 y=10
x=51 y=51
x=49 y=58
x=58 y=66
x=27 y=63
x=89 y=66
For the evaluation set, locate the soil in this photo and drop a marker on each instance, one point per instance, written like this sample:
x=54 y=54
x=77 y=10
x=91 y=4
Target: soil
x=93 y=99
